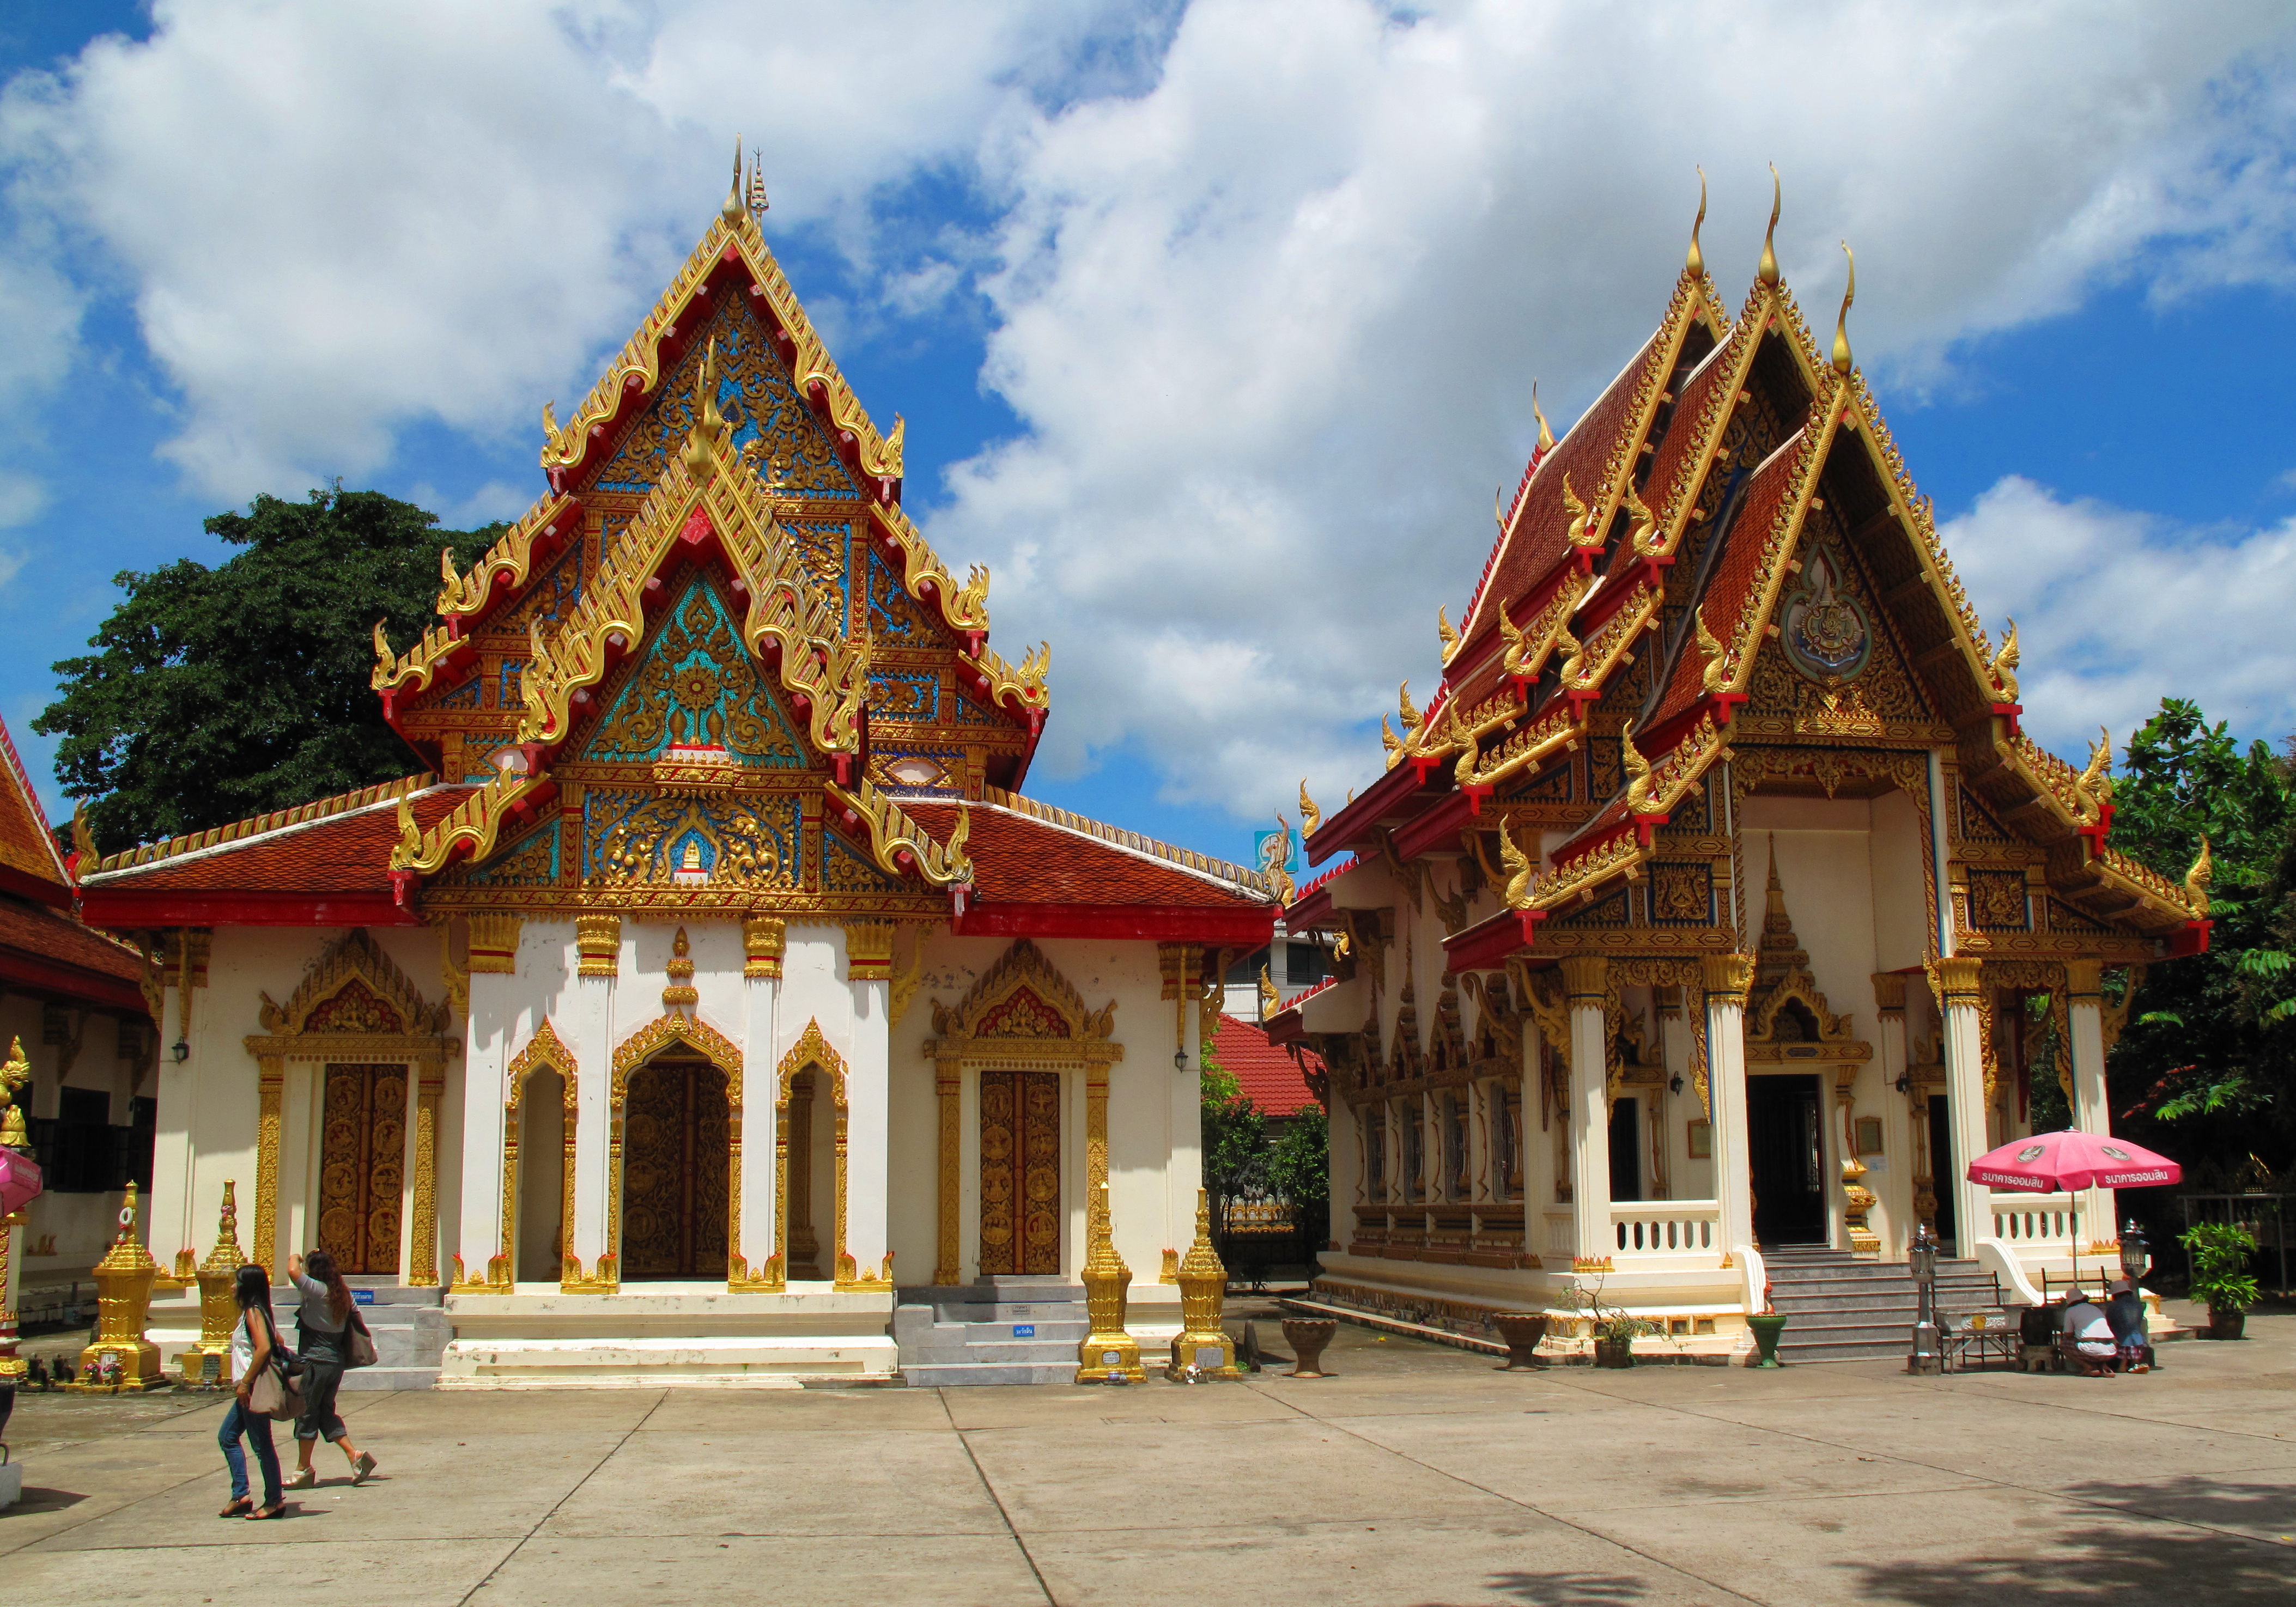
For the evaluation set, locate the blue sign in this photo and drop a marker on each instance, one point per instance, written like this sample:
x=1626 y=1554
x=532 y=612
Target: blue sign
x=1272 y=852
x=1024 y=1330
x=362 y=1297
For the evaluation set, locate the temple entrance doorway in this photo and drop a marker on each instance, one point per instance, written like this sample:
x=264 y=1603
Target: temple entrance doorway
x=363 y=1167
x=1782 y=1140
x=542 y=1178
x=1626 y=1149
x=1945 y=1173
x=1019 y=1172
x=677 y=1127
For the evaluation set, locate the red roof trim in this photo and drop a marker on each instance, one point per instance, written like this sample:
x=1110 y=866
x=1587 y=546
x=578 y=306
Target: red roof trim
x=34 y=973
x=1353 y=824
x=128 y=909
x=1488 y=943
x=1156 y=922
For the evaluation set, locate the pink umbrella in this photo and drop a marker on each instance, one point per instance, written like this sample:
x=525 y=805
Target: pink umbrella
x=2049 y=1161
x=2072 y=1161
x=20 y=1182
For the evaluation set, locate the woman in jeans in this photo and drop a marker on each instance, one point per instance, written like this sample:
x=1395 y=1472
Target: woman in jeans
x=322 y=1320
x=252 y=1343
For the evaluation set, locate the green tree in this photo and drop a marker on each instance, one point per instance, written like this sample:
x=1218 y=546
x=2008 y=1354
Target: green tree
x=2203 y=1068
x=217 y=693
x=1299 y=1172
x=1234 y=1137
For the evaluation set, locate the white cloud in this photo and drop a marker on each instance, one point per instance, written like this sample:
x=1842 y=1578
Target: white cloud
x=1268 y=283
x=2116 y=610
x=21 y=500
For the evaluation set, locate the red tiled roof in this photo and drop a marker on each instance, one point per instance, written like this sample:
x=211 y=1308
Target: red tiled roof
x=31 y=930
x=25 y=847
x=1271 y=1078
x=348 y=852
x=1020 y=859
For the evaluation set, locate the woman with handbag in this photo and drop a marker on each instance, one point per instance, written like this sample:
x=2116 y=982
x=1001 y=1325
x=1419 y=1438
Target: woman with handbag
x=256 y=1359
x=329 y=1329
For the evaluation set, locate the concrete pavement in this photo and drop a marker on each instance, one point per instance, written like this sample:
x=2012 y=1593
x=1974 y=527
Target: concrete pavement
x=1418 y=1475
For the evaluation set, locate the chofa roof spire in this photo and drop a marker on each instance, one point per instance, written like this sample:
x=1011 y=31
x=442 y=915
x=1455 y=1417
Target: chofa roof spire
x=732 y=210
x=1768 y=272
x=1694 y=264
x=1842 y=322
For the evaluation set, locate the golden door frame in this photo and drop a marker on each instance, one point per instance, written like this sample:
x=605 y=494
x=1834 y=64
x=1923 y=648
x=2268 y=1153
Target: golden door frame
x=422 y=1045
x=812 y=1051
x=544 y=1049
x=641 y=1046
x=992 y=1024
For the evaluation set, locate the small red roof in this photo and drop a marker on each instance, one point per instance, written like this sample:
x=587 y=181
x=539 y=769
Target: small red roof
x=1271 y=1078
x=1018 y=858
x=30 y=864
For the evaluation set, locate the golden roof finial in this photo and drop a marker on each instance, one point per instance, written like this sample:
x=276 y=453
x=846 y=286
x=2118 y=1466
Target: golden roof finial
x=1694 y=264
x=1768 y=272
x=1389 y=742
x=1576 y=535
x=1644 y=537
x=1270 y=1001
x=732 y=210
x=1499 y=508
x=1447 y=630
x=1842 y=323
x=84 y=839
x=1521 y=871
x=2197 y=880
x=1518 y=644
x=1310 y=817
x=758 y=204
x=2004 y=667
x=1408 y=715
x=1638 y=771
x=1711 y=680
x=1546 y=435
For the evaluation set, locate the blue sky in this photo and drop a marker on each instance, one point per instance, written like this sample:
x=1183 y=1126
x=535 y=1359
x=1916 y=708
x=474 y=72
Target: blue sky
x=1213 y=324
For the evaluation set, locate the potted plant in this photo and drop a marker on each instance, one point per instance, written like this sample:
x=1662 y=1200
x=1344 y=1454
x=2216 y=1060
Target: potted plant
x=1767 y=1324
x=1616 y=1329
x=2220 y=1274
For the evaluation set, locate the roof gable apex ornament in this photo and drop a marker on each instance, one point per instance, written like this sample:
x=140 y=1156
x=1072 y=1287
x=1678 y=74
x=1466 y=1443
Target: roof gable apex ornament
x=758 y=204
x=733 y=208
x=1695 y=262
x=1841 y=363
x=1310 y=817
x=1769 y=271
x=1545 y=433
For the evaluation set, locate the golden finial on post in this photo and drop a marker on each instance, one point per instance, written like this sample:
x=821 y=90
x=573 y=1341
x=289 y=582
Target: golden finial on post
x=1108 y=1354
x=1694 y=264
x=1768 y=272
x=218 y=1277
x=119 y=1358
x=1842 y=322
x=1203 y=1348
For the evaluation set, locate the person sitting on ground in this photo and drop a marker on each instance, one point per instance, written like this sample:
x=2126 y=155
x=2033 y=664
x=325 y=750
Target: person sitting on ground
x=2125 y=1311
x=2091 y=1333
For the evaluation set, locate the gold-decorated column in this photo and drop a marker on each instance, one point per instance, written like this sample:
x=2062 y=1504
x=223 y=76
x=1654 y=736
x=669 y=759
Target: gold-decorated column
x=218 y=1277
x=1109 y=1352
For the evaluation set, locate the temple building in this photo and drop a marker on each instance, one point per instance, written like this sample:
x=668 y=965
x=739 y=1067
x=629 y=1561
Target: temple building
x=1715 y=910
x=718 y=975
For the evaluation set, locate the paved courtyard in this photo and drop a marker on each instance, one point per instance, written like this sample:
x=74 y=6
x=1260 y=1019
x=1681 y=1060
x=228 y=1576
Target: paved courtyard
x=1418 y=1475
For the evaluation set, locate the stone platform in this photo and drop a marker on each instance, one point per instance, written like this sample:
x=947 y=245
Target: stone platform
x=649 y=1335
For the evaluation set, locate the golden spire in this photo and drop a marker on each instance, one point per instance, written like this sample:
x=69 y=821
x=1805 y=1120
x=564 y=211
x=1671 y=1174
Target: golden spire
x=1694 y=264
x=1842 y=323
x=1404 y=711
x=1711 y=680
x=1310 y=817
x=732 y=210
x=1546 y=435
x=1768 y=272
x=2197 y=880
x=1444 y=629
x=758 y=204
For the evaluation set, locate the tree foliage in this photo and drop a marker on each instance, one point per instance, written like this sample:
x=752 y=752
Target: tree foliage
x=2204 y=1069
x=217 y=693
x=1234 y=1137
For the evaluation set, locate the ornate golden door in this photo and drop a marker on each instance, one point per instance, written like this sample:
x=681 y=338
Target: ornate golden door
x=1020 y=1172
x=363 y=1167
x=676 y=1126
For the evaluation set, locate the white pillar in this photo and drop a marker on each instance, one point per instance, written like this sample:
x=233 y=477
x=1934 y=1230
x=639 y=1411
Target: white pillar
x=590 y=1034
x=1585 y=980
x=484 y=1066
x=1893 y=1219
x=1184 y=1167
x=762 y=944
x=2092 y=1113
x=174 y=1178
x=1727 y=977
x=1965 y=1071
x=868 y=1094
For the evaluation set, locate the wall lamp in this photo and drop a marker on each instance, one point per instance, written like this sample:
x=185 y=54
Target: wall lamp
x=180 y=1053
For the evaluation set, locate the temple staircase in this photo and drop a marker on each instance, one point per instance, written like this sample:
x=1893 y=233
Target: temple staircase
x=1840 y=1309
x=995 y=1331
x=410 y=1330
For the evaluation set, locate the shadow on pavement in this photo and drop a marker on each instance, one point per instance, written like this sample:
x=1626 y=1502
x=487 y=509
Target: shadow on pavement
x=1568 y=1589
x=2132 y=1560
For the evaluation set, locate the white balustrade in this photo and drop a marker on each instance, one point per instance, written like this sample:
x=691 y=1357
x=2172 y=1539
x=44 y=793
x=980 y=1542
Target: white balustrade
x=2034 y=1221
x=1559 y=1236
x=1667 y=1227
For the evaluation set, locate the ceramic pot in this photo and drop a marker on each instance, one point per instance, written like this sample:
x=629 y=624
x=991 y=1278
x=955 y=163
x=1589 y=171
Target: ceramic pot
x=1614 y=1353
x=1767 y=1326
x=1308 y=1336
x=1521 y=1331
x=2225 y=1324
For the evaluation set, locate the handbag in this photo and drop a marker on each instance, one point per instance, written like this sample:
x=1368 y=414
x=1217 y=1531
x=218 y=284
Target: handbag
x=358 y=1344
x=277 y=1391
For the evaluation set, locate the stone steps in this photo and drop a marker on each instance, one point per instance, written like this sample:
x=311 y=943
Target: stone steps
x=1840 y=1309
x=967 y=1334
x=409 y=1327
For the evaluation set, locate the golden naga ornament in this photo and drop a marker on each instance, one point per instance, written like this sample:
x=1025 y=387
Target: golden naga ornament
x=2197 y=880
x=1577 y=534
x=1695 y=262
x=1769 y=271
x=2003 y=669
x=1841 y=363
x=1638 y=774
x=13 y=1076
x=1391 y=742
x=1447 y=631
x=1645 y=540
x=1409 y=715
x=1270 y=1000
x=1521 y=871
x=1717 y=674
x=1546 y=435
x=1310 y=818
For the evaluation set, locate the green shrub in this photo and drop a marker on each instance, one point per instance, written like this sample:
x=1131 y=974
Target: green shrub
x=2220 y=1274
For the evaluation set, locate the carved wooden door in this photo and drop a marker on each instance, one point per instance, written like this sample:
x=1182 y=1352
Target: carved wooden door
x=676 y=1126
x=1019 y=1172
x=363 y=1167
